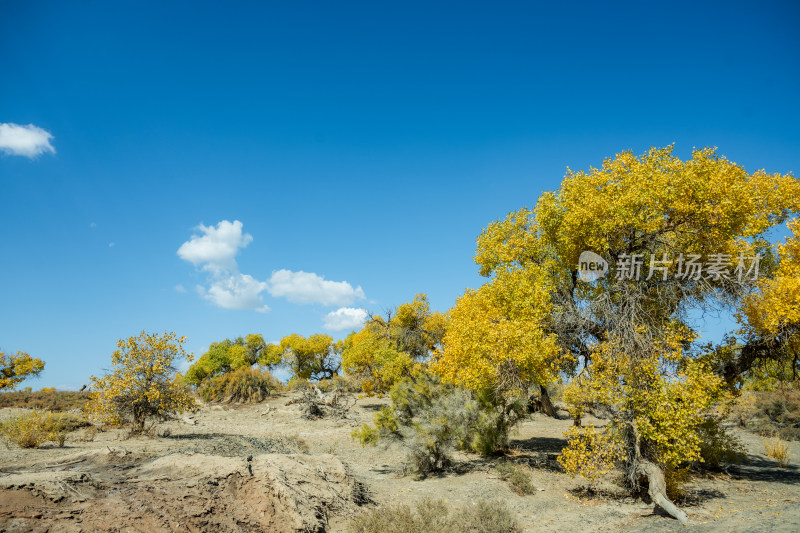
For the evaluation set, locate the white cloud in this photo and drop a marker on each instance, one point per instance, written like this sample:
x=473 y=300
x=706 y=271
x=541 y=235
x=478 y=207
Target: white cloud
x=180 y=288
x=345 y=318
x=307 y=287
x=237 y=291
x=216 y=249
x=28 y=141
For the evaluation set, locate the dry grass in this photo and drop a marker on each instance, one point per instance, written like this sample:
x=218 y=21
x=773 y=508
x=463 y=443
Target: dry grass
x=339 y=383
x=777 y=449
x=301 y=443
x=436 y=515
x=517 y=476
x=37 y=427
x=49 y=399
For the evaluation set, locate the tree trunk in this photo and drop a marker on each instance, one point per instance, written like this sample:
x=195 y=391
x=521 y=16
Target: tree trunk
x=547 y=405
x=542 y=404
x=657 y=489
x=638 y=466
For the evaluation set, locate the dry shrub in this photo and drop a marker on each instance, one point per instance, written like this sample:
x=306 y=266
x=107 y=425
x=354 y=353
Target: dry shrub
x=744 y=408
x=37 y=427
x=778 y=449
x=432 y=419
x=517 y=476
x=336 y=403
x=770 y=412
x=300 y=442
x=298 y=384
x=244 y=385
x=48 y=399
x=88 y=434
x=435 y=515
x=339 y=383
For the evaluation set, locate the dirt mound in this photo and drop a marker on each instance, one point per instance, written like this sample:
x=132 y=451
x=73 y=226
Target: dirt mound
x=179 y=491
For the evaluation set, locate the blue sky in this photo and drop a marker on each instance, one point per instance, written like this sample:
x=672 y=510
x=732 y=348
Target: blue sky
x=329 y=155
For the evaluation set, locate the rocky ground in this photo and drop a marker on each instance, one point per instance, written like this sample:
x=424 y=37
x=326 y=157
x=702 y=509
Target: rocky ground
x=266 y=468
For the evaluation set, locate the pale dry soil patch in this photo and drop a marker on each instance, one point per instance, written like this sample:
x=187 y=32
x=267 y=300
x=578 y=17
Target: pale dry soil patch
x=241 y=468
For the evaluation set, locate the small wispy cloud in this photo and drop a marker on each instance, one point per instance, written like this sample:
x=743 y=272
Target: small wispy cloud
x=180 y=288
x=27 y=141
x=306 y=288
x=345 y=318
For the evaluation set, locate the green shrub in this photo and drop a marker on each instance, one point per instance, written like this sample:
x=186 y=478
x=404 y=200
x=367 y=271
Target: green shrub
x=244 y=385
x=518 y=476
x=366 y=434
x=37 y=427
x=717 y=446
x=490 y=422
x=433 y=418
x=435 y=515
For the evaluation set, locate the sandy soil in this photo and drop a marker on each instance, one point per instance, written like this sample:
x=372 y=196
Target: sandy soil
x=242 y=469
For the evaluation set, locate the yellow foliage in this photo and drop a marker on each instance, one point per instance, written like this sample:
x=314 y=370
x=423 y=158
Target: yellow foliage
x=140 y=386
x=534 y=319
x=33 y=429
x=665 y=403
x=309 y=358
x=773 y=312
x=15 y=368
x=495 y=336
x=591 y=453
x=226 y=356
x=384 y=351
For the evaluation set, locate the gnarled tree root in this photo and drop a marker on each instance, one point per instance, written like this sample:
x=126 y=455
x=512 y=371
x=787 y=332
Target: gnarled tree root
x=657 y=489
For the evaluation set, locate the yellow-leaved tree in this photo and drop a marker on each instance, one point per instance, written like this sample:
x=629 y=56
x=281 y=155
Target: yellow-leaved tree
x=771 y=322
x=141 y=386
x=388 y=349
x=494 y=340
x=229 y=355
x=16 y=368
x=312 y=357
x=667 y=237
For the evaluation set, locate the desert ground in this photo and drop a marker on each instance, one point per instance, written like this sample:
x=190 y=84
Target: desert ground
x=264 y=467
